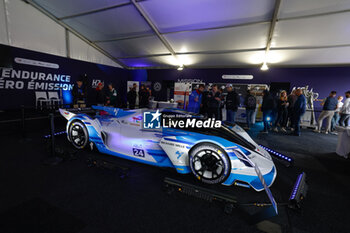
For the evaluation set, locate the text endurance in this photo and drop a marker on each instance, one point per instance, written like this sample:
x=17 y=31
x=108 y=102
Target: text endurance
x=30 y=80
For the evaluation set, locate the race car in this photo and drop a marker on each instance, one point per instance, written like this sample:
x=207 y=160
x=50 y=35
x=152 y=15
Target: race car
x=225 y=154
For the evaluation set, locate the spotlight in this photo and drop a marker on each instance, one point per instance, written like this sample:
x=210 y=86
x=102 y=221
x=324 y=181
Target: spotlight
x=279 y=155
x=268 y=118
x=55 y=134
x=264 y=66
x=181 y=67
x=298 y=192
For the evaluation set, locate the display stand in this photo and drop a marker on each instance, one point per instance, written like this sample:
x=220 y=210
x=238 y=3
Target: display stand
x=298 y=193
x=230 y=202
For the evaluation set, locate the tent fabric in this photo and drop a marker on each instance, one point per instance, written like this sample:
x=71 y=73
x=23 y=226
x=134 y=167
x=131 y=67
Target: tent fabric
x=194 y=33
x=23 y=26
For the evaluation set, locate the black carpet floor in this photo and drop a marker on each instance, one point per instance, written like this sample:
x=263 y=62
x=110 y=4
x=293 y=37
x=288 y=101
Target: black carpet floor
x=73 y=197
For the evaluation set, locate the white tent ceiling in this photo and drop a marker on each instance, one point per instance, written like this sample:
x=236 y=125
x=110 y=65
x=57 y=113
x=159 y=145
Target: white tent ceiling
x=211 y=33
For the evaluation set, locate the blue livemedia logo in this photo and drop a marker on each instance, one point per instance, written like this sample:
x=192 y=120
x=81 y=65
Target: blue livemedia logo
x=151 y=120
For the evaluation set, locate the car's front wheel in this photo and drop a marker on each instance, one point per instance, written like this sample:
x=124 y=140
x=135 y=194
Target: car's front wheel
x=78 y=134
x=210 y=163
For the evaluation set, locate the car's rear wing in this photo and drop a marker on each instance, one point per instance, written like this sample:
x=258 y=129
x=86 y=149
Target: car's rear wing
x=68 y=113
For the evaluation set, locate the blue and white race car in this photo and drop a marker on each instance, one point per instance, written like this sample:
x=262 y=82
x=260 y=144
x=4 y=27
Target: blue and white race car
x=225 y=155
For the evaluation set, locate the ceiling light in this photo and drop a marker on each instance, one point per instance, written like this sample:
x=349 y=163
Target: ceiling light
x=181 y=67
x=264 y=66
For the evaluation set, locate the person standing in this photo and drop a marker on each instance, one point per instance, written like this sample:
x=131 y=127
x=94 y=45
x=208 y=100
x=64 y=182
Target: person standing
x=232 y=104
x=195 y=99
x=292 y=98
x=345 y=111
x=144 y=96
x=222 y=102
x=204 y=106
x=111 y=96
x=267 y=107
x=214 y=101
x=298 y=111
x=79 y=94
x=131 y=96
x=282 y=112
x=250 y=107
x=100 y=95
x=149 y=91
x=336 y=116
x=329 y=106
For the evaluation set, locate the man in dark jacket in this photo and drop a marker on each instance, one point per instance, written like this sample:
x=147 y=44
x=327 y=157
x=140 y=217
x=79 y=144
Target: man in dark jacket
x=298 y=111
x=204 y=106
x=144 y=95
x=79 y=93
x=292 y=98
x=100 y=95
x=112 y=96
x=214 y=101
x=329 y=107
x=131 y=96
x=267 y=107
x=250 y=106
x=232 y=104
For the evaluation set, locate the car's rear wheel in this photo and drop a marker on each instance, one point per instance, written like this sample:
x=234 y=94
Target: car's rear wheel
x=210 y=163
x=78 y=134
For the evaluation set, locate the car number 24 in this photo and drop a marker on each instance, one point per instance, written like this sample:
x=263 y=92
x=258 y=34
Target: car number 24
x=138 y=152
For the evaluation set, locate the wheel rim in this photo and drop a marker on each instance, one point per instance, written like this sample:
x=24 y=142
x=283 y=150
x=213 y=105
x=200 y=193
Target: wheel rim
x=78 y=135
x=208 y=164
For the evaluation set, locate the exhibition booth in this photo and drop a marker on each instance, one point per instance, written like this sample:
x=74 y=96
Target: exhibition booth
x=174 y=116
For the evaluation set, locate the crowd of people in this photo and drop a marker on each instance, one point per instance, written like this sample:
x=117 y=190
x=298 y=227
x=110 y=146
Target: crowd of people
x=144 y=95
x=335 y=112
x=110 y=97
x=106 y=98
x=286 y=110
x=282 y=113
x=209 y=101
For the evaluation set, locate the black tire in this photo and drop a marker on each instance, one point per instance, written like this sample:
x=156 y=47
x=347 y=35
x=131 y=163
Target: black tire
x=78 y=134
x=209 y=163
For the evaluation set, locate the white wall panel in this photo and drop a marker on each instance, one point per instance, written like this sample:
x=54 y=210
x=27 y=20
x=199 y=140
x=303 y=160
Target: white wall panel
x=247 y=37
x=82 y=51
x=134 y=47
x=3 y=30
x=175 y=15
x=97 y=57
x=61 y=8
x=30 y=29
x=315 y=31
x=295 y=8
